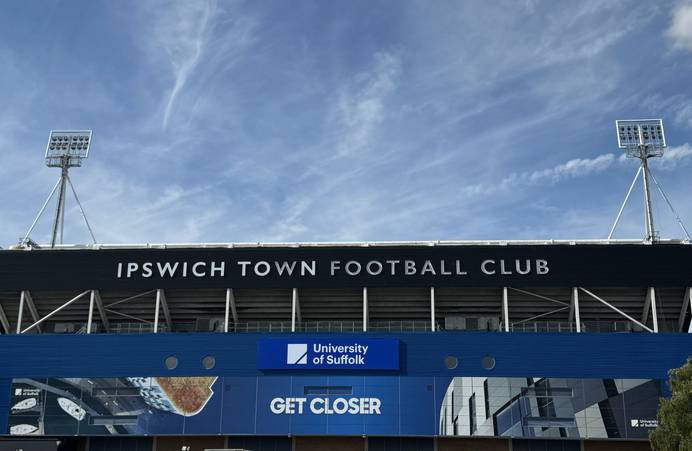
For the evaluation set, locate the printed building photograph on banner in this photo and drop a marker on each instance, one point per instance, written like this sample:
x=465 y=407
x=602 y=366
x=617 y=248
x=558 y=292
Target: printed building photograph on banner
x=550 y=407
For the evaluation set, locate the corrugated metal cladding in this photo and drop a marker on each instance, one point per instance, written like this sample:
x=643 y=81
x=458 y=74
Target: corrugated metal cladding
x=586 y=355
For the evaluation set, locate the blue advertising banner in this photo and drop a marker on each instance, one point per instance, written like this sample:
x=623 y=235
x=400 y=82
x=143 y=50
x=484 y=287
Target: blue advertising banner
x=328 y=354
x=312 y=404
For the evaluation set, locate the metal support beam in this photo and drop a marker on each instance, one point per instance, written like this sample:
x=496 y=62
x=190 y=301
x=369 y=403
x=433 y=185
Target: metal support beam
x=575 y=307
x=229 y=294
x=20 y=312
x=4 y=321
x=647 y=306
x=160 y=303
x=505 y=308
x=654 y=312
x=650 y=305
x=614 y=309
x=365 y=309
x=156 y=311
x=683 y=311
x=295 y=309
x=79 y=204
x=539 y=296
x=432 y=309
x=622 y=207
x=92 y=299
x=542 y=315
x=166 y=311
x=129 y=298
x=29 y=301
x=648 y=210
x=124 y=315
x=25 y=240
x=60 y=210
x=102 y=310
x=670 y=205
x=230 y=308
x=65 y=305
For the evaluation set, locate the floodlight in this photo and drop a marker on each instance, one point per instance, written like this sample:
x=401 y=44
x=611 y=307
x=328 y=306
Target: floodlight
x=67 y=148
x=641 y=138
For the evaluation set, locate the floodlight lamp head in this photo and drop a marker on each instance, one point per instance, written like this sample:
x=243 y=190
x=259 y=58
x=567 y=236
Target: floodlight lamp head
x=67 y=148
x=641 y=138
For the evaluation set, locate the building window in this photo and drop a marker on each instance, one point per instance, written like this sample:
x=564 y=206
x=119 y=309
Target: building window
x=487 y=398
x=472 y=414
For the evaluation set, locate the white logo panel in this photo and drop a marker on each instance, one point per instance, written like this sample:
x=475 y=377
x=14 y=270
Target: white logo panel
x=297 y=354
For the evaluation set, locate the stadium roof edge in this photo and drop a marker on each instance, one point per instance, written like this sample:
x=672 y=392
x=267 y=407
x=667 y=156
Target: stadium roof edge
x=350 y=244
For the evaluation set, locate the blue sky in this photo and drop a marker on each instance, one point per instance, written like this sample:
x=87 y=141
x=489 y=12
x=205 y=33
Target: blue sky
x=343 y=121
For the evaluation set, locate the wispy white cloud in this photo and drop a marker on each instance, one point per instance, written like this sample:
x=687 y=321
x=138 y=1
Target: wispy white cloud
x=197 y=40
x=675 y=108
x=169 y=212
x=680 y=29
x=361 y=106
x=674 y=157
x=578 y=167
x=183 y=31
x=351 y=135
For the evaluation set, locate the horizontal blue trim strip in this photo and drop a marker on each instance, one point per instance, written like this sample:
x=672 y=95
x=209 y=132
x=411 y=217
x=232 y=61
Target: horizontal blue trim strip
x=627 y=355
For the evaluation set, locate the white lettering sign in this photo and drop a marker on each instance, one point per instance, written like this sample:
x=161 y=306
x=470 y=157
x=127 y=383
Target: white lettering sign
x=326 y=406
x=336 y=268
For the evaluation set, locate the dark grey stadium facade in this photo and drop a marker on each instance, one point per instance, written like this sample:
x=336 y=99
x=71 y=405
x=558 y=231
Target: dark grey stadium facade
x=544 y=345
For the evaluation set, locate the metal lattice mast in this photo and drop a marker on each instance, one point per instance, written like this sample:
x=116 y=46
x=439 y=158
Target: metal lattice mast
x=59 y=219
x=648 y=210
x=641 y=139
x=65 y=149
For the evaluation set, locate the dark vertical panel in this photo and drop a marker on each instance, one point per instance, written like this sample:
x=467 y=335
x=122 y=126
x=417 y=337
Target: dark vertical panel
x=194 y=443
x=400 y=444
x=472 y=444
x=260 y=443
x=25 y=445
x=120 y=444
x=545 y=445
x=5 y=386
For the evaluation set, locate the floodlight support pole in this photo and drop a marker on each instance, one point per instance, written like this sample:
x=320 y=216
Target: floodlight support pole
x=622 y=207
x=670 y=205
x=86 y=221
x=60 y=210
x=647 y=201
x=648 y=211
x=45 y=204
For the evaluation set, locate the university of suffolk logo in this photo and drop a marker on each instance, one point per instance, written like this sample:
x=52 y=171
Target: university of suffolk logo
x=648 y=423
x=297 y=354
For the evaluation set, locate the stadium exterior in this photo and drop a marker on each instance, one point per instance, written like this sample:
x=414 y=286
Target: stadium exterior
x=341 y=346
